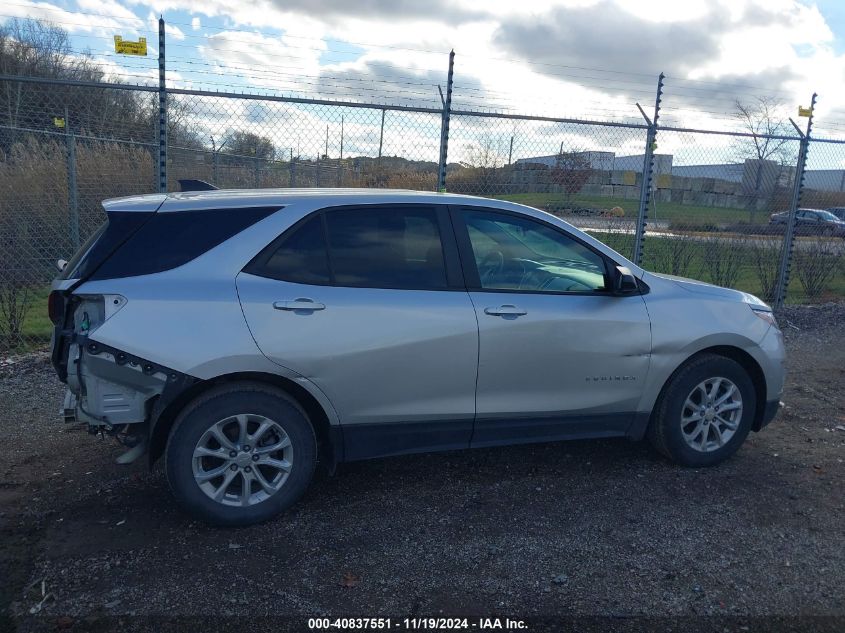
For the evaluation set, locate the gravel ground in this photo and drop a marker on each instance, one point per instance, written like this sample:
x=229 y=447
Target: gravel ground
x=599 y=528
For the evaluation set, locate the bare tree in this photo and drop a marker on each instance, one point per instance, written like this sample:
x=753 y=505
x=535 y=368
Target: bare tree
x=15 y=286
x=571 y=171
x=816 y=261
x=762 y=119
x=483 y=160
x=36 y=48
x=765 y=255
x=242 y=143
x=723 y=258
x=674 y=254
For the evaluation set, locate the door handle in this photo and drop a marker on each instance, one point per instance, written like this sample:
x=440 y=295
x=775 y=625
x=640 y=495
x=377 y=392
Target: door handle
x=505 y=310
x=302 y=303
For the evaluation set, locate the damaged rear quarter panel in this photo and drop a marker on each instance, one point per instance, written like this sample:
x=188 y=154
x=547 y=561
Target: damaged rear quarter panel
x=196 y=328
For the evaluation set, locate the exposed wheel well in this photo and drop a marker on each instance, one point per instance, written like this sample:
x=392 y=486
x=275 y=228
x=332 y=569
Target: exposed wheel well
x=328 y=443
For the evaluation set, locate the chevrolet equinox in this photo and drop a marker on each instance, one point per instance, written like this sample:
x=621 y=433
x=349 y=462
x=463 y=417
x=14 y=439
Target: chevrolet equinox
x=242 y=335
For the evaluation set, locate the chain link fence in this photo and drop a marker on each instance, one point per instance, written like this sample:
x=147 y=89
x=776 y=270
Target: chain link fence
x=712 y=209
x=697 y=203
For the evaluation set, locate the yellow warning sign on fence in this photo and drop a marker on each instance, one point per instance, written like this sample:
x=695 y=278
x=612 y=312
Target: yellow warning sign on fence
x=130 y=48
x=802 y=111
x=59 y=121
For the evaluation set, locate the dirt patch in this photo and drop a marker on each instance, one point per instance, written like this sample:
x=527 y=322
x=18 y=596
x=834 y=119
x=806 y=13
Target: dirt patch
x=601 y=528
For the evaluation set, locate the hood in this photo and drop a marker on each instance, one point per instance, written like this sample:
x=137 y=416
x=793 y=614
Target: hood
x=702 y=288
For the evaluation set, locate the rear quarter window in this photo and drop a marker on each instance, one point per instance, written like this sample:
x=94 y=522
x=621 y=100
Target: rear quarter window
x=169 y=240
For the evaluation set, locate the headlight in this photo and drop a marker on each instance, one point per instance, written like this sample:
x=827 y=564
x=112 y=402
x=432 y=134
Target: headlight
x=765 y=314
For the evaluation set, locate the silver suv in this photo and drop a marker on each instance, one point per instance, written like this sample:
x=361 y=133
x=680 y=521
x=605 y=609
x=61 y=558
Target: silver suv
x=244 y=335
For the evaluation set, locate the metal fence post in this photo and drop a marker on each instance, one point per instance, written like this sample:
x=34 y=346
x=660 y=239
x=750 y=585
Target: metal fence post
x=648 y=168
x=72 y=190
x=256 y=168
x=782 y=284
x=162 y=112
x=292 y=172
x=444 y=125
x=381 y=134
x=339 y=174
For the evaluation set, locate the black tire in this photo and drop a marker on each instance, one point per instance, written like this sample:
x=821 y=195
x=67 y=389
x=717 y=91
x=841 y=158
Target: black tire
x=664 y=431
x=230 y=400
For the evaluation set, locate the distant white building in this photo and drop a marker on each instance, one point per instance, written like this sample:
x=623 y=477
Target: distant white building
x=662 y=163
x=732 y=172
x=825 y=179
x=598 y=160
x=754 y=175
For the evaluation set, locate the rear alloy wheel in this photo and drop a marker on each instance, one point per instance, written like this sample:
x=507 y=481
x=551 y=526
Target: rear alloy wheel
x=243 y=460
x=704 y=413
x=240 y=454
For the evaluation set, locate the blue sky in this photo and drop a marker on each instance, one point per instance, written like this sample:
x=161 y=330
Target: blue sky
x=834 y=14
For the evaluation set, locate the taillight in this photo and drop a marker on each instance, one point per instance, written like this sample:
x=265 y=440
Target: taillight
x=56 y=307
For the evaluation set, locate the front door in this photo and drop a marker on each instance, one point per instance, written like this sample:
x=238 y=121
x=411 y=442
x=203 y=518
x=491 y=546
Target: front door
x=559 y=355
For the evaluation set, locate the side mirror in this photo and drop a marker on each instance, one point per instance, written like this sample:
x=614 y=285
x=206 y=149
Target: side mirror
x=624 y=282
x=61 y=264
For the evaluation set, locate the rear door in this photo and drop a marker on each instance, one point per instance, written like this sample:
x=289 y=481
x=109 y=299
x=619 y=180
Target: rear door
x=368 y=303
x=559 y=355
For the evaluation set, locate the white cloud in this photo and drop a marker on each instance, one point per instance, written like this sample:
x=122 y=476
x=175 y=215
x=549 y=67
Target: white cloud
x=526 y=57
x=117 y=19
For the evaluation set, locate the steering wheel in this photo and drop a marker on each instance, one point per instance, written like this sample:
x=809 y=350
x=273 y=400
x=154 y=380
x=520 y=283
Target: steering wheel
x=564 y=283
x=491 y=266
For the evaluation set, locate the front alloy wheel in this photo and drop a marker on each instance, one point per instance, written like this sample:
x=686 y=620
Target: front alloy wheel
x=704 y=412
x=711 y=414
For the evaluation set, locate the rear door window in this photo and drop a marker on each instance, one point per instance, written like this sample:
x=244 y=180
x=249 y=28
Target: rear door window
x=386 y=247
x=299 y=256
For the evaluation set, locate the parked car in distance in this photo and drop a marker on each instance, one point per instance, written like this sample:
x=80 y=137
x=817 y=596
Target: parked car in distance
x=245 y=335
x=839 y=212
x=812 y=221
